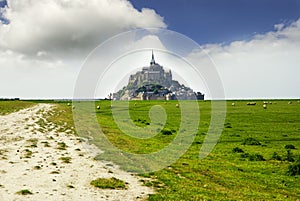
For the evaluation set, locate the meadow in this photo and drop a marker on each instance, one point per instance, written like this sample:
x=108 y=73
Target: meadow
x=252 y=160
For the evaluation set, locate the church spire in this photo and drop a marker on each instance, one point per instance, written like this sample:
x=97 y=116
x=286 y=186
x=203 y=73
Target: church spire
x=152 y=60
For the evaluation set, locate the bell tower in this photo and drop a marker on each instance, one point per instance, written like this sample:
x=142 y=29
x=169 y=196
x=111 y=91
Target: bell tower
x=152 y=62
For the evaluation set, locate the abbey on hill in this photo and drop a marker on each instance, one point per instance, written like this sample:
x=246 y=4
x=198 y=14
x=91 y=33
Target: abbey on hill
x=154 y=83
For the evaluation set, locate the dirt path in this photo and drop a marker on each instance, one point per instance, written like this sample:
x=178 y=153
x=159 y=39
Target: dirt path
x=30 y=158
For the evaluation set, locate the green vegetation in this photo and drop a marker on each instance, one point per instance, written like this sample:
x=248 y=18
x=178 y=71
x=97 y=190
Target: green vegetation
x=10 y=106
x=24 y=192
x=65 y=159
x=109 y=183
x=61 y=146
x=242 y=166
x=253 y=159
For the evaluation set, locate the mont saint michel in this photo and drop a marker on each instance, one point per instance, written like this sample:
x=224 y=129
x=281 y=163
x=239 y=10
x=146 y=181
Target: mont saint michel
x=155 y=83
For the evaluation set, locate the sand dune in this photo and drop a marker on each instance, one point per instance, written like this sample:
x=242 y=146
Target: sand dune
x=30 y=159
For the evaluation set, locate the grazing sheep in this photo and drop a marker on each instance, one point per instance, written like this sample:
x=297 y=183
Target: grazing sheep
x=68 y=104
x=177 y=105
x=251 y=103
x=265 y=102
x=98 y=107
x=73 y=107
x=270 y=103
x=290 y=102
x=265 y=106
x=232 y=104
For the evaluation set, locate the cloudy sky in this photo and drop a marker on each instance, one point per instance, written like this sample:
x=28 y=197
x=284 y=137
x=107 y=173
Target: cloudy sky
x=254 y=46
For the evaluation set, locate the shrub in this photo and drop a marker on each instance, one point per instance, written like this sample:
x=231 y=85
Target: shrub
x=275 y=156
x=289 y=156
x=166 y=131
x=289 y=146
x=251 y=141
x=294 y=169
x=237 y=150
x=108 y=183
x=256 y=157
x=253 y=157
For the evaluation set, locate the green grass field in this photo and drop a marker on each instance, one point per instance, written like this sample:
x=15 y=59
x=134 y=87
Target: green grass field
x=250 y=161
x=10 y=106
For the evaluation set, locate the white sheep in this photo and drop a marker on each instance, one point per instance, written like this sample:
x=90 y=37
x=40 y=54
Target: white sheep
x=265 y=106
x=98 y=107
x=232 y=104
x=177 y=105
x=69 y=104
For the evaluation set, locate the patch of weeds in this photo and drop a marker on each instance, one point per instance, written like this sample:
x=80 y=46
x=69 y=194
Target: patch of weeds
x=61 y=146
x=227 y=125
x=54 y=172
x=46 y=144
x=251 y=141
x=289 y=146
x=27 y=153
x=166 y=131
x=294 y=169
x=37 y=167
x=33 y=142
x=109 y=183
x=253 y=157
x=53 y=163
x=65 y=159
x=237 y=150
x=275 y=156
x=289 y=156
x=24 y=192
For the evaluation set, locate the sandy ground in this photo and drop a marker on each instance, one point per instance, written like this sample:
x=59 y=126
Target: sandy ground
x=29 y=159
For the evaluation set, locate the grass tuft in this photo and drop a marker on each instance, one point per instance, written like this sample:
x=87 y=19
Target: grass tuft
x=109 y=183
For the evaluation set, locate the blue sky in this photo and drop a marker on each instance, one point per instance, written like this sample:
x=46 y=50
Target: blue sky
x=254 y=45
x=221 y=21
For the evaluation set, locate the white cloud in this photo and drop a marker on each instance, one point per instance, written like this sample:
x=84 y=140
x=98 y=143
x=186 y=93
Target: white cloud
x=63 y=28
x=265 y=67
x=45 y=42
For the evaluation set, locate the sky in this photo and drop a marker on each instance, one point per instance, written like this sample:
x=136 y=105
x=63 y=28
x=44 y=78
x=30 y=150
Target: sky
x=252 y=47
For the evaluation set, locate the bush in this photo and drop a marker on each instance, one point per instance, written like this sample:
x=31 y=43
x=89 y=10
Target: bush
x=294 y=169
x=166 y=132
x=289 y=156
x=289 y=146
x=251 y=141
x=275 y=156
x=108 y=183
x=237 y=150
x=256 y=157
x=253 y=157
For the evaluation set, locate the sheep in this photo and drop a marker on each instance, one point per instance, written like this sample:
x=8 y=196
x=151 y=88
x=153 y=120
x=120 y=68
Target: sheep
x=232 y=104
x=251 y=103
x=73 y=107
x=69 y=104
x=98 y=107
x=177 y=105
x=265 y=106
x=290 y=102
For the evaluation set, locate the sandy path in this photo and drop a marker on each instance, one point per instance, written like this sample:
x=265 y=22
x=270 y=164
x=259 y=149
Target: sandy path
x=29 y=159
